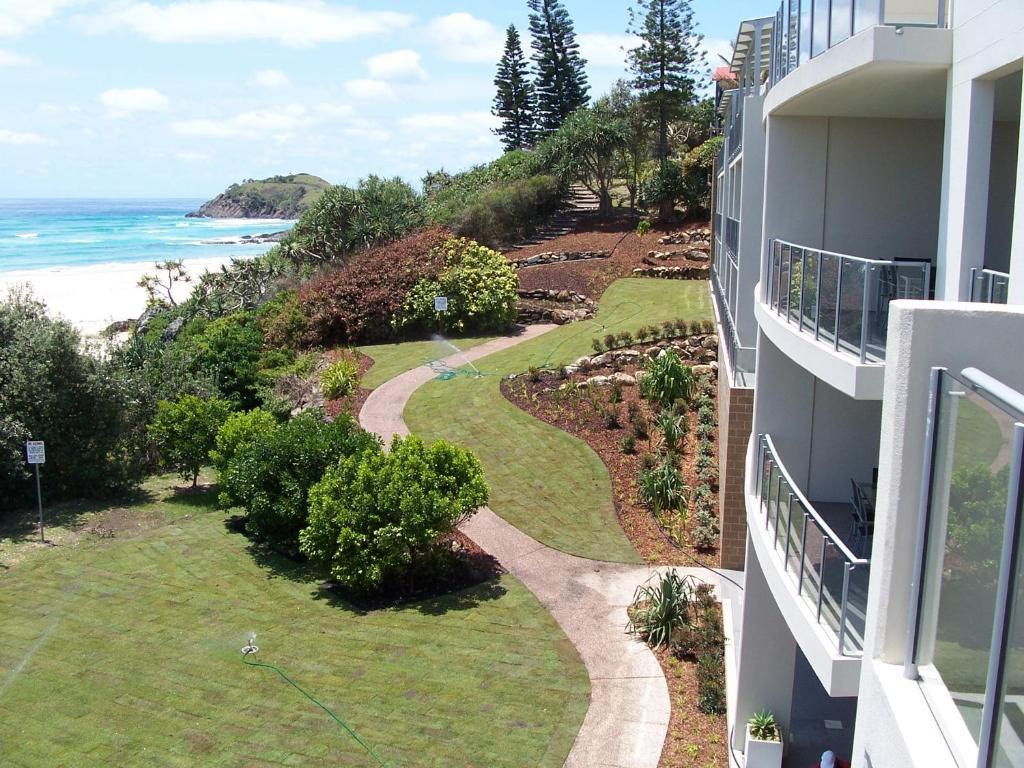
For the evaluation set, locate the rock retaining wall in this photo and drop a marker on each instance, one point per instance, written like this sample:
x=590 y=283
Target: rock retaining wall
x=556 y=257
x=674 y=273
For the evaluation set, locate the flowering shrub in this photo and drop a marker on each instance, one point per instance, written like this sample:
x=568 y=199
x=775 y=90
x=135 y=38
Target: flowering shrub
x=480 y=285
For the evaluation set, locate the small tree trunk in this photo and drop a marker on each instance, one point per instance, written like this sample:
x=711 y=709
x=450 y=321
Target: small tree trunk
x=666 y=209
x=605 y=205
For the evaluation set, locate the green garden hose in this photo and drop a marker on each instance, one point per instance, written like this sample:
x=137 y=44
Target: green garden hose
x=334 y=717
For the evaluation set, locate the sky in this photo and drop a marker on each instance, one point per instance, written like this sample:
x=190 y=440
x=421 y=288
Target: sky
x=180 y=98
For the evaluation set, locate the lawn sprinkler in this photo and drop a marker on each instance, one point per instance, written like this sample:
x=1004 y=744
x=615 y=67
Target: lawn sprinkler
x=250 y=647
x=439 y=339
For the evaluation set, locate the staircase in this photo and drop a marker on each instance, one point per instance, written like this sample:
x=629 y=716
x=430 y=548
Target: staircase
x=579 y=204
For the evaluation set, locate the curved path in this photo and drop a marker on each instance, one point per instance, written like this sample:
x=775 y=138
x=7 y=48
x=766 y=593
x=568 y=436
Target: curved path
x=628 y=718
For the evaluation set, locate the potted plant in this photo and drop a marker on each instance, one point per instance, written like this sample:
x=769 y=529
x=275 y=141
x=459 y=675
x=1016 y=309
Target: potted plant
x=764 y=741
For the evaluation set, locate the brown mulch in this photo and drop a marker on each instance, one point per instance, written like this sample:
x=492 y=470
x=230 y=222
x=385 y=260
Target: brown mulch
x=579 y=418
x=695 y=739
x=352 y=403
x=592 y=277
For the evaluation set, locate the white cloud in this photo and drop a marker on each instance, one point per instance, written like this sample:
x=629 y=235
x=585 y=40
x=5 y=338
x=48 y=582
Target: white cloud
x=295 y=23
x=121 y=102
x=396 y=65
x=604 y=50
x=464 y=128
x=715 y=49
x=366 y=88
x=270 y=78
x=463 y=37
x=14 y=59
x=279 y=124
x=329 y=111
x=18 y=17
x=14 y=137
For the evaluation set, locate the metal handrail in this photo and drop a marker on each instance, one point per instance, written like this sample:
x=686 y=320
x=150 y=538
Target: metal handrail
x=779 y=297
x=989 y=279
x=739 y=355
x=766 y=450
x=826 y=529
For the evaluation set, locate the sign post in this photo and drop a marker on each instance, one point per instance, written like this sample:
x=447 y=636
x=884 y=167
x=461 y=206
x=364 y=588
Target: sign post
x=35 y=454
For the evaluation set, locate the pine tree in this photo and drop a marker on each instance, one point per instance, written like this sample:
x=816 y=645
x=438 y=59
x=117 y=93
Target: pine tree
x=668 y=60
x=514 y=101
x=560 y=75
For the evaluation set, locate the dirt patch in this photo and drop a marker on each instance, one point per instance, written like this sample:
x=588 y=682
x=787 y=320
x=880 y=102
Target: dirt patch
x=123 y=522
x=583 y=413
x=592 y=278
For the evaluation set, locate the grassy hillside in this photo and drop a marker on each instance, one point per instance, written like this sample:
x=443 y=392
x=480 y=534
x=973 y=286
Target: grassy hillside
x=283 y=197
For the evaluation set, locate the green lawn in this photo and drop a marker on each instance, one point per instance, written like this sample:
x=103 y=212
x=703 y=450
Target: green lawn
x=545 y=482
x=125 y=651
x=390 y=360
x=978 y=438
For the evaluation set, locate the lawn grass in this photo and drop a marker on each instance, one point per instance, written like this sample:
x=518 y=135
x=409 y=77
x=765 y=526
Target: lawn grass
x=125 y=651
x=978 y=438
x=545 y=482
x=390 y=360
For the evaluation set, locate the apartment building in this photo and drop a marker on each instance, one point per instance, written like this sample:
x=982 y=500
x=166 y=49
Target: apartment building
x=869 y=285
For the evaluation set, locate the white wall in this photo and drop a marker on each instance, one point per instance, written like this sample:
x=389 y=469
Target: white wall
x=921 y=335
x=844 y=443
x=883 y=191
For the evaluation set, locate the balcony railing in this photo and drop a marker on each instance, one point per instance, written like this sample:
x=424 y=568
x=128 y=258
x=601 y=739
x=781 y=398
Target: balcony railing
x=826 y=575
x=810 y=27
x=989 y=286
x=725 y=280
x=841 y=300
x=732 y=234
x=735 y=134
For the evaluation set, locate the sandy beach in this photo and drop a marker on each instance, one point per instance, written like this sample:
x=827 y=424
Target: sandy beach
x=92 y=297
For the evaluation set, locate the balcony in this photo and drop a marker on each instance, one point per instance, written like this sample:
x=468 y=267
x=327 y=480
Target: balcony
x=838 y=300
x=989 y=286
x=732 y=235
x=808 y=28
x=821 y=567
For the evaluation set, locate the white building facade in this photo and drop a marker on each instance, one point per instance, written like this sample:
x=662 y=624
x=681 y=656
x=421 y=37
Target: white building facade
x=869 y=285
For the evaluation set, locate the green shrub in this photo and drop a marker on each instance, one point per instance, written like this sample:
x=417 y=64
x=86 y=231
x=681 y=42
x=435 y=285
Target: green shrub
x=238 y=430
x=654 y=331
x=340 y=378
x=509 y=212
x=708 y=474
x=672 y=427
x=763 y=726
x=378 y=514
x=668 y=329
x=481 y=286
x=229 y=351
x=706 y=415
x=648 y=461
x=611 y=418
x=661 y=608
x=615 y=393
x=640 y=427
x=610 y=342
x=270 y=477
x=662 y=487
x=666 y=187
x=625 y=339
x=695 y=327
x=597 y=345
x=668 y=380
x=185 y=431
x=628 y=445
x=705 y=429
x=89 y=412
x=711 y=684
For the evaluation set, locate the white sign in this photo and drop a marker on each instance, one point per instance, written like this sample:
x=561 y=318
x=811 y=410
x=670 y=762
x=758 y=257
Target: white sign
x=35 y=451
x=440 y=303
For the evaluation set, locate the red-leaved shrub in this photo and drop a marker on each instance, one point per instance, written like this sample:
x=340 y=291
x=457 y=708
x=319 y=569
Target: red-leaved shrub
x=355 y=304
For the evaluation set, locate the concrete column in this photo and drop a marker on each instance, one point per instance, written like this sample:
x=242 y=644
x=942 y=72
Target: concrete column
x=751 y=210
x=1017 y=247
x=767 y=657
x=965 y=177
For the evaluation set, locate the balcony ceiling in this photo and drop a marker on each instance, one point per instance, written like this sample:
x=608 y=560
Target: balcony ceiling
x=880 y=90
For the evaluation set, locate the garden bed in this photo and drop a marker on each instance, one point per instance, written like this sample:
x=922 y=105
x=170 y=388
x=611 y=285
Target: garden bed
x=353 y=402
x=566 y=400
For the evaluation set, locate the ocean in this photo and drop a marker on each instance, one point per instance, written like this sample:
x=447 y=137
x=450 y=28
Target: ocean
x=43 y=234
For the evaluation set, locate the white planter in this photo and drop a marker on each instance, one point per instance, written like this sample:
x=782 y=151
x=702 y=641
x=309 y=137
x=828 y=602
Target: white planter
x=762 y=754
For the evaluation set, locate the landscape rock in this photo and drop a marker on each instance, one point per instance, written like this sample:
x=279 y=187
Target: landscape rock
x=170 y=333
x=673 y=273
x=623 y=378
x=142 y=324
x=599 y=381
x=554 y=257
x=705 y=370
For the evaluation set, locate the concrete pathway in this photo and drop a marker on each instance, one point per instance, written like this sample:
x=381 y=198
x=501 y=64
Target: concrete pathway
x=628 y=718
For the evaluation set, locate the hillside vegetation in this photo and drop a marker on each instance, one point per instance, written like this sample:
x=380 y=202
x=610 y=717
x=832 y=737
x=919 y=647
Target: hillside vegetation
x=279 y=197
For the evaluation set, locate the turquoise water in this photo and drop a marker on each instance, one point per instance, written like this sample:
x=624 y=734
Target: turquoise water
x=37 y=234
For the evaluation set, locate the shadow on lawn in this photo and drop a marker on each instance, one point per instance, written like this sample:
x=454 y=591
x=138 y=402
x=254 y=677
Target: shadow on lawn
x=23 y=523
x=472 y=578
